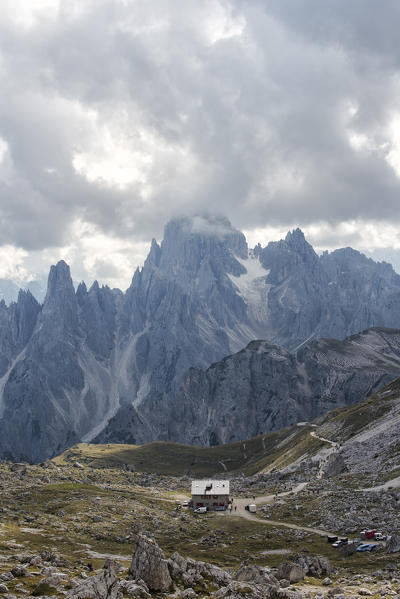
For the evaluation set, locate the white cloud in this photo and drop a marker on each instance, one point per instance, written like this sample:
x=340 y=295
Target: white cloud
x=3 y=149
x=121 y=114
x=27 y=14
x=11 y=263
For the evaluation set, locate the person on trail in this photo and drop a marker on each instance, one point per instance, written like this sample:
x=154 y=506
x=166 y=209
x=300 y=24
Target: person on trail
x=235 y=508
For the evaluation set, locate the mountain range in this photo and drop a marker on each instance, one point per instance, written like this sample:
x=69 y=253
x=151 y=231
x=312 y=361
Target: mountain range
x=97 y=364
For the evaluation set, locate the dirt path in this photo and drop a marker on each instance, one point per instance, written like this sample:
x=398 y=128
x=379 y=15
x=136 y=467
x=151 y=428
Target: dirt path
x=241 y=502
x=239 y=505
x=394 y=484
x=333 y=443
x=326 y=452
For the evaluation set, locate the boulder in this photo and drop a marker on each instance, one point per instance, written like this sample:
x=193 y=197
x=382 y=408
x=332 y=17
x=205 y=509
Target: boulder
x=3 y=589
x=190 y=571
x=348 y=549
x=393 y=544
x=248 y=573
x=49 y=585
x=290 y=571
x=335 y=592
x=135 y=588
x=149 y=564
x=255 y=575
x=287 y=594
x=238 y=590
x=334 y=466
x=19 y=571
x=314 y=565
x=104 y=585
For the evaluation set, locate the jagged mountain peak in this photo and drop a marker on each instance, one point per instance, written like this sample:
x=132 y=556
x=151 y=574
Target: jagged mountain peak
x=296 y=241
x=94 y=287
x=206 y=232
x=295 y=234
x=60 y=304
x=59 y=279
x=82 y=289
x=215 y=225
x=154 y=254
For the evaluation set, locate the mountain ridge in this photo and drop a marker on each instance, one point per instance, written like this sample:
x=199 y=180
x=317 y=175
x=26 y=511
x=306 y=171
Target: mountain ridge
x=354 y=429
x=91 y=357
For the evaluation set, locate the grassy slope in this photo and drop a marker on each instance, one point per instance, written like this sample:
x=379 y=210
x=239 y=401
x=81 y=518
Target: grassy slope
x=343 y=423
x=274 y=450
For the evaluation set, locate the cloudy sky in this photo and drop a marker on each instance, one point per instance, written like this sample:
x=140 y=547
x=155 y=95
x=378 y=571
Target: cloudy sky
x=116 y=115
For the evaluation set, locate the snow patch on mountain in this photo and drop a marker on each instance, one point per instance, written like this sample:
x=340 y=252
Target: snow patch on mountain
x=4 y=379
x=143 y=391
x=252 y=287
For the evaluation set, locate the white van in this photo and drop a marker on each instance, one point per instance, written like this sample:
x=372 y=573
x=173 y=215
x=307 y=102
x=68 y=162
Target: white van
x=200 y=510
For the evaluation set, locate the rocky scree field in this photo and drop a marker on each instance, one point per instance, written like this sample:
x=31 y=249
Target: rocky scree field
x=99 y=522
x=73 y=529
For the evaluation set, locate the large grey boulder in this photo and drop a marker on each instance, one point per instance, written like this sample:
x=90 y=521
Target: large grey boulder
x=393 y=544
x=347 y=549
x=191 y=572
x=50 y=584
x=334 y=466
x=149 y=564
x=104 y=585
x=135 y=588
x=314 y=565
x=256 y=575
x=290 y=571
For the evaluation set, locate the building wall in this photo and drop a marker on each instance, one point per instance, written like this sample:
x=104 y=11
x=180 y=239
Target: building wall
x=210 y=501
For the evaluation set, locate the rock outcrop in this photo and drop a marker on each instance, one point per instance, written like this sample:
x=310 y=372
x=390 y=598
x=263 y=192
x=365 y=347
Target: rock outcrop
x=334 y=466
x=149 y=564
x=191 y=572
x=314 y=565
x=104 y=585
x=393 y=544
x=291 y=572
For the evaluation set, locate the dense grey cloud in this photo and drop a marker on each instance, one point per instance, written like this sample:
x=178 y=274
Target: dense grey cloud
x=116 y=115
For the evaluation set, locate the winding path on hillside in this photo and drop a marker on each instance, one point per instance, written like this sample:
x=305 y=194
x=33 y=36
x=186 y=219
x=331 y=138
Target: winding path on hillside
x=239 y=503
x=241 y=512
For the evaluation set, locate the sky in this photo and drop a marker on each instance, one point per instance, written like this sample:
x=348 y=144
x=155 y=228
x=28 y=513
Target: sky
x=118 y=115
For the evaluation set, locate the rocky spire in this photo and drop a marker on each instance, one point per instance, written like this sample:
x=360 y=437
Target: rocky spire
x=60 y=304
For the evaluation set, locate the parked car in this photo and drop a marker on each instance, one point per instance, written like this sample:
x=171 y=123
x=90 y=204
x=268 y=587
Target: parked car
x=251 y=508
x=380 y=537
x=367 y=547
x=340 y=542
x=368 y=534
x=333 y=539
x=200 y=510
x=185 y=504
